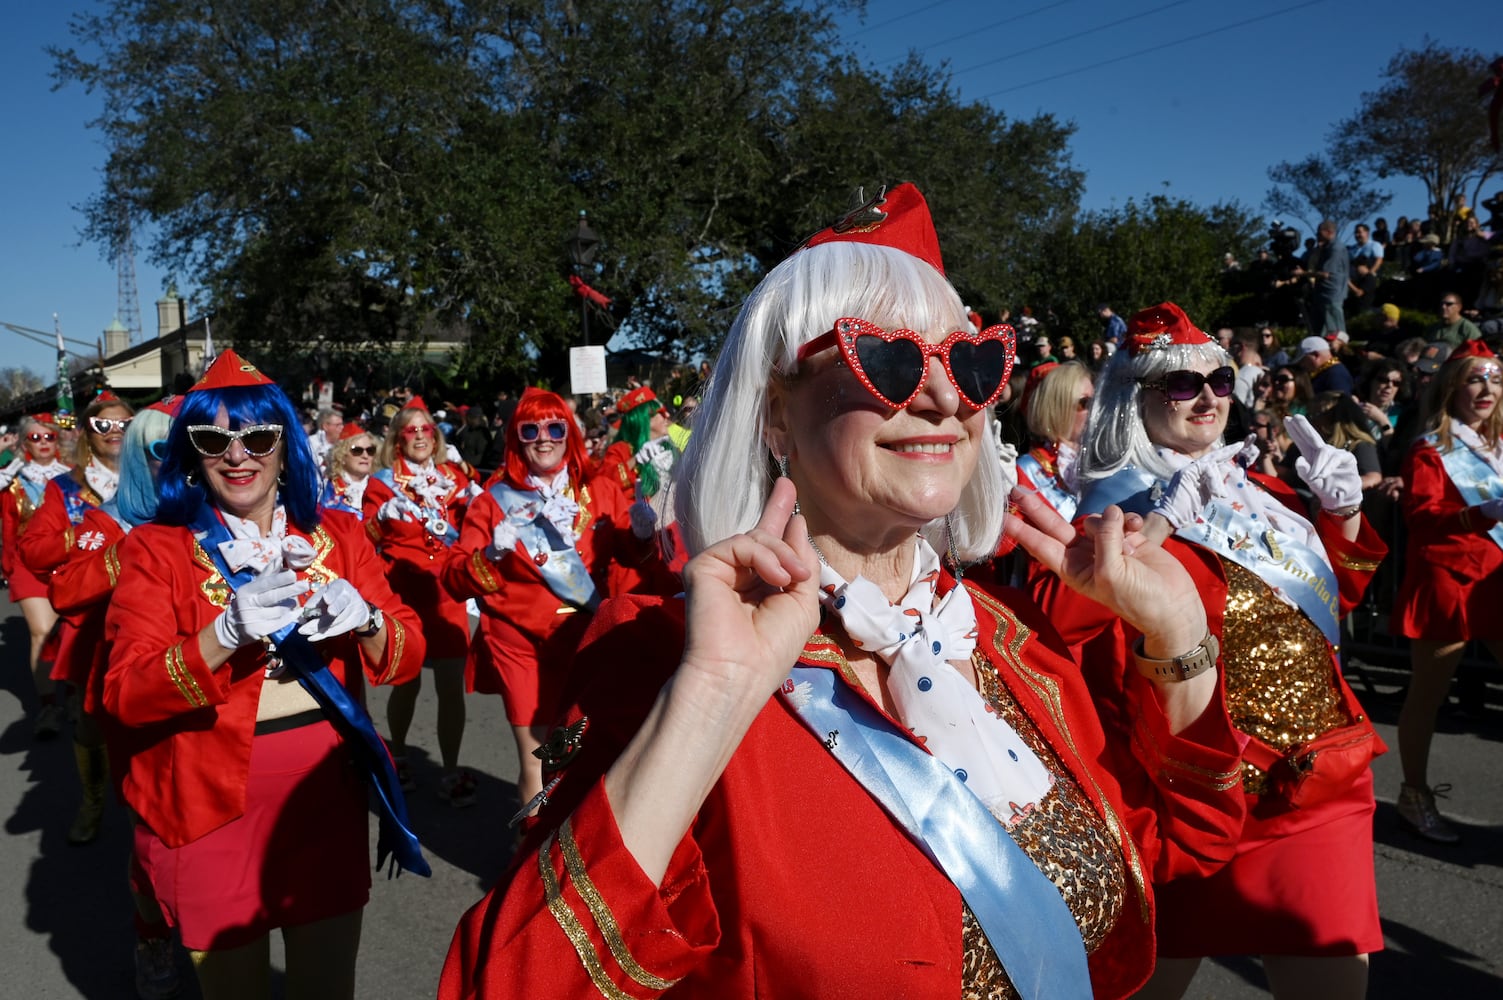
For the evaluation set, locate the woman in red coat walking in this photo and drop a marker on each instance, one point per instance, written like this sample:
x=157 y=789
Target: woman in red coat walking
x=25 y=487
x=1452 y=591
x=413 y=510
x=536 y=552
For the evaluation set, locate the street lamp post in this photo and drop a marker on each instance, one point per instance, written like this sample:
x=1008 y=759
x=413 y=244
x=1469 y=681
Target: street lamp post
x=582 y=244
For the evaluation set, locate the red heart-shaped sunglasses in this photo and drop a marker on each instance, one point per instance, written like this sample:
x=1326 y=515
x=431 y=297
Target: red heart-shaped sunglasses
x=894 y=364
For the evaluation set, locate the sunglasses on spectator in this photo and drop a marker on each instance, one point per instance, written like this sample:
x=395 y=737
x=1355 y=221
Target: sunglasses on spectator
x=35 y=436
x=1450 y=302
x=418 y=429
x=1186 y=385
x=104 y=425
x=536 y=430
x=1395 y=382
x=360 y=450
x=893 y=365
x=1283 y=380
x=158 y=449
x=258 y=440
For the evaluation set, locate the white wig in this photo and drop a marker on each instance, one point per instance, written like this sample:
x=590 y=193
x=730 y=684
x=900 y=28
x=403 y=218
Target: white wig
x=727 y=471
x=1115 y=436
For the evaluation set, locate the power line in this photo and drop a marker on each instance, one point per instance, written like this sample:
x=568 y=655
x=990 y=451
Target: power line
x=1070 y=38
x=976 y=31
x=895 y=20
x=1159 y=47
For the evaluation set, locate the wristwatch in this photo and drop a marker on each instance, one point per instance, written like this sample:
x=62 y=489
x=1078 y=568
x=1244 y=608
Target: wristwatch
x=372 y=624
x=1180 y=668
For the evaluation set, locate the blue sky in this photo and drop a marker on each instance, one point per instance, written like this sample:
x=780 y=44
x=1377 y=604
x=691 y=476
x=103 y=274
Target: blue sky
x=1196 y=97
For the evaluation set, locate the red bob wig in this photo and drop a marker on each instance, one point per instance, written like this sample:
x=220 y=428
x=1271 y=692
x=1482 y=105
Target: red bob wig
x=539 y=404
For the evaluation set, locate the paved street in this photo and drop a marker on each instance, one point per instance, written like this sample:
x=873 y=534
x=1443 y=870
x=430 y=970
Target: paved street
x=65 y=913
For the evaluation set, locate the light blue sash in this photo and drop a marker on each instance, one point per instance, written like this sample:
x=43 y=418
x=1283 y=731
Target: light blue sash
x=1049 y=487
x=35 y=492
x=1021 y=911
x=1473 y=478
x=556 y=558
x=1278 y=559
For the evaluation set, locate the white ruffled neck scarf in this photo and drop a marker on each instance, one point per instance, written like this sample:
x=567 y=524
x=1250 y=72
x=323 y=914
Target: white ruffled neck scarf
x=103 y=480
x=559 y=507
x=918 y=637
x=1492 y=456
x=354 y=488
x=247 y=547
x=430 y=486
x=43 y=474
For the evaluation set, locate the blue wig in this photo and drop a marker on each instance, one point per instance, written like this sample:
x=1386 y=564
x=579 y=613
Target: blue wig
x=137 y=496
x=246 y=405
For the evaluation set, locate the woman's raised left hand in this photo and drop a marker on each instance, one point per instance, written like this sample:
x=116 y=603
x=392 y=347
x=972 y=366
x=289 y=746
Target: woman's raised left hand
x=1115 y=564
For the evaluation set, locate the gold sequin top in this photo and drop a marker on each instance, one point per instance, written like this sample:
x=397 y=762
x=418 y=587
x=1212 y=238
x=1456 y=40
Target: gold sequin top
x=1068 y=841
x=1280 y=685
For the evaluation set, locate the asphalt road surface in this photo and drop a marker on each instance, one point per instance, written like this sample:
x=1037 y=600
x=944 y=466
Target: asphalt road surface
x=65 y=913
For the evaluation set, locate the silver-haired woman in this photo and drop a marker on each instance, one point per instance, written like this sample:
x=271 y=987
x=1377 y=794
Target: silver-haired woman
x=1274 y=583
x=832 y=768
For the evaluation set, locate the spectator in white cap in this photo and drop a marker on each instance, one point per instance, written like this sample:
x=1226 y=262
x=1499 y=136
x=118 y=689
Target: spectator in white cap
x=1326 y=372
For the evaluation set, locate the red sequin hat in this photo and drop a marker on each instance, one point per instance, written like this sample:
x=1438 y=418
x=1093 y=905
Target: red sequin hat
x=169 y=405
x=631 y=400
x=1163 y=325
x=898 y=218
x=228 y=371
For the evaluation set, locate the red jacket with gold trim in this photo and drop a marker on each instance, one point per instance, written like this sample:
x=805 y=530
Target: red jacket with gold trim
x=792 y=881
x=189 y=728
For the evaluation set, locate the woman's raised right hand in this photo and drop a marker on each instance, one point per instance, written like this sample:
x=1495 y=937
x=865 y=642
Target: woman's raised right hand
x=752 y=601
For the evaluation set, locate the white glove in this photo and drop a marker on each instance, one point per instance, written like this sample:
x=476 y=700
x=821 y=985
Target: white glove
x=11 y=471
x=644 y=520
x=452 y=454
x=1330 y=472
x=503 y=540
x=1491 y=508
x=335 y=610
x=659 y=454
x=394 y=510
x=260 y=608
x=1198 y=483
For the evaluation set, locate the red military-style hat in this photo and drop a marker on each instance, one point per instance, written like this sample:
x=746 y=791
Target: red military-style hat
x=631 y=400
x=106 y=396
x=45 y=418
x=351 y=430
x=1472 y=349
x=1160 y=326
x=229 y=371
x=898 y=218
x=416 y=403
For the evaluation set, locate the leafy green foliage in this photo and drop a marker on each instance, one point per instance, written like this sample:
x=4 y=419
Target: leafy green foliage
x=1315 y=189
x=1423 y=122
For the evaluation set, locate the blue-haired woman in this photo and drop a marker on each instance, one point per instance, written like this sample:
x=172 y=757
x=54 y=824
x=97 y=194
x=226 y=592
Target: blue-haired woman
x=251 y=817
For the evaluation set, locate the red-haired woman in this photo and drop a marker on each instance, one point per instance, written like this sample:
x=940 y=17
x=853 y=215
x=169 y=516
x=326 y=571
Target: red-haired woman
x=534 y=550
x=1453 y=576
x=25 y=484
x=413 y=510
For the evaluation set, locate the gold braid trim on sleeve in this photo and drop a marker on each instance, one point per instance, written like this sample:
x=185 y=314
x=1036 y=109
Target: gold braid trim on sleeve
x=177 y=669
x=396 y=645
x=1219 y=781
x=112 y=563
x=480 y=568
x=68 y=538
x=602 y=914
x=1358 y=565
x=569 y=923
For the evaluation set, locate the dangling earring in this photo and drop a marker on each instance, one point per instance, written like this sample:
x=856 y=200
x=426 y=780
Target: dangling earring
x=950 y=552
x=783 y=472
x=282 y=478
x=191 y=479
